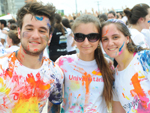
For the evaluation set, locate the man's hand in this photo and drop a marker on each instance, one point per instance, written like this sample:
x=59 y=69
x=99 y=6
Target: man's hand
x=53 y=108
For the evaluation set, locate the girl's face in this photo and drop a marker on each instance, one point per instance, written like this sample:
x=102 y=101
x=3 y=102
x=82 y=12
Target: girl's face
x=9 y=41
x=113 y=41
x=146 y=22
x=86 y=47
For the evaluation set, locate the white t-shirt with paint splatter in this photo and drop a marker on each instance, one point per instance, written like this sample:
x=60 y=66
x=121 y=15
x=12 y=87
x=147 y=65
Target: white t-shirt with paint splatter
x=138 y=38
x=132 y=85
x=83 y=85
x=25 y=90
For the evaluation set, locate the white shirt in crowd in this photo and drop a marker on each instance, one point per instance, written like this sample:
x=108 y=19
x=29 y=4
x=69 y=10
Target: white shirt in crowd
x=146 y=33
x=138 y=38
x=3 y=35
x=70 y=41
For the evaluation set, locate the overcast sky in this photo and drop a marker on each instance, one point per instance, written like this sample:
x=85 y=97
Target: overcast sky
x=69 y=6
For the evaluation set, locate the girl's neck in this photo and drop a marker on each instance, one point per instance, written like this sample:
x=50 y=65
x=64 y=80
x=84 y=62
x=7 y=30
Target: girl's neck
x=136 y=26
x=124 y=59
x=87 y=57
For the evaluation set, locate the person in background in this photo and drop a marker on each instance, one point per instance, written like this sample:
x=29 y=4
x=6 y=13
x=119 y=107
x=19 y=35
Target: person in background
x=3 y=36
x=102 y=17
x=71 y=47
x=88 y=78
x=111 y=15
x=13 y=41
x=13 y=26
x=139 y=18
x=132 y=80
x=11 y=21
x=58 y=45
x=27 y=79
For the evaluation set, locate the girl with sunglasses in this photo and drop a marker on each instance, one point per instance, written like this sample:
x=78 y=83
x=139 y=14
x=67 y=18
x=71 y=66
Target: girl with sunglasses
x=132 y=74
x=88 y=78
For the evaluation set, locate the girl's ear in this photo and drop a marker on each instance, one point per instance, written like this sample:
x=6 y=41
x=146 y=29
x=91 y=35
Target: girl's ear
x=19 y=32
x=141 y=19
x=128 y=39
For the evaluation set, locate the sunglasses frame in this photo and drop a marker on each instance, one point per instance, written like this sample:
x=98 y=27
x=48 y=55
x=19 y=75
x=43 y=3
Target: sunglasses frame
x=83 y=36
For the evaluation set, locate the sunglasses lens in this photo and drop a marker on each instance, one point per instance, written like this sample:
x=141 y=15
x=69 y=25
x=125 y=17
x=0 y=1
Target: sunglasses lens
x=78 y=37
x=93 y=37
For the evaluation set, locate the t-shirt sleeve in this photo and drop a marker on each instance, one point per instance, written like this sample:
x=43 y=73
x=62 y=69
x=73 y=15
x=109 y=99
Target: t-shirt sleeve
x=3 y=36
x=140 y=40
x=57 y=87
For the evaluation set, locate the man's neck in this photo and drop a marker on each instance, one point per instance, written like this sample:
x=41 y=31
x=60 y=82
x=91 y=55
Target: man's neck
x=30 y=61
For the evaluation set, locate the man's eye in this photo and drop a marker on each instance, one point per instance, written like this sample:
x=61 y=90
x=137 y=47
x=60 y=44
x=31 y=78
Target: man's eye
x=42 y=31
x=29 y=29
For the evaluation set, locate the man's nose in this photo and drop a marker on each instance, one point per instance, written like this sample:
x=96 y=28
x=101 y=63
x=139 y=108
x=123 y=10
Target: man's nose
x=35 y=34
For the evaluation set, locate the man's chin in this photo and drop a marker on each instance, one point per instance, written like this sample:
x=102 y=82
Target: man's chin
x=34 y=53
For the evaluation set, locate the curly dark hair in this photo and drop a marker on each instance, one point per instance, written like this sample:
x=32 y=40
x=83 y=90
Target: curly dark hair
x=36 y=8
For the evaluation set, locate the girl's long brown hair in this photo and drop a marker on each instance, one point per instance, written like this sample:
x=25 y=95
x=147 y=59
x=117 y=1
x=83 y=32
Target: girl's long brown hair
x=103 y=65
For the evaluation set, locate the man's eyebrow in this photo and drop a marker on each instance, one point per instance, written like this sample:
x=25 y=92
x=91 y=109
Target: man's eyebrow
x=29 y=25
x=44 y=28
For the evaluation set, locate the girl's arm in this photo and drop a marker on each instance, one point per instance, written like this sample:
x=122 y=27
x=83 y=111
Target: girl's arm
x=117 y=108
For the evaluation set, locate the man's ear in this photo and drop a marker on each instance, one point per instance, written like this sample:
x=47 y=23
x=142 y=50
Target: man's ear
x=50 y=37
x=19 y=32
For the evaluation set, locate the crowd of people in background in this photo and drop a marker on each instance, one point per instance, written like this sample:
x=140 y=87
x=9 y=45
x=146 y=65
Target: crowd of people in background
x=97 y=57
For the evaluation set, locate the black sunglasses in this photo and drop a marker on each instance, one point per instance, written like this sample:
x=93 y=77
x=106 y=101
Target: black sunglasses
x=92 y=37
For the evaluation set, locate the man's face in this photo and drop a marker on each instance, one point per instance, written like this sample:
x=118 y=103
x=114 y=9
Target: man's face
x=110 y=16
x=34 y=34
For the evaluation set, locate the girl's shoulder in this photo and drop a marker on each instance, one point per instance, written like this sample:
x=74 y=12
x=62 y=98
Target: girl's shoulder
x=144 y=52
x=66 y=59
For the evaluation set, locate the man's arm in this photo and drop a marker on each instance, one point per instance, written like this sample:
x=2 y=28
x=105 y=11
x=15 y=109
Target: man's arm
x=53 y=108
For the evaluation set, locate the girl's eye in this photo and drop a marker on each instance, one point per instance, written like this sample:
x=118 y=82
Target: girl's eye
x=115 y=37
x=104 y=39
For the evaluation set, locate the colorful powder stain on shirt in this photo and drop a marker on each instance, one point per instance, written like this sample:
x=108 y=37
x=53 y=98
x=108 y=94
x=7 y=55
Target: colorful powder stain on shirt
x=23 y=91
x=38 y=84
x=86 y=81
x=26 y=105
x=139 y=91
x=97 y=73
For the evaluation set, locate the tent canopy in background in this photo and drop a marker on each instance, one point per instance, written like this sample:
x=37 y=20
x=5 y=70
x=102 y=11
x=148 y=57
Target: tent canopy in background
x=7 y=17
